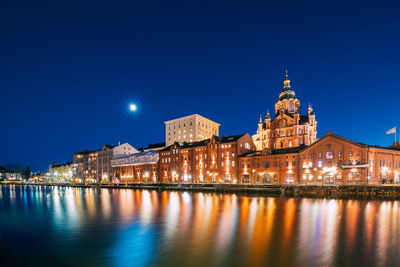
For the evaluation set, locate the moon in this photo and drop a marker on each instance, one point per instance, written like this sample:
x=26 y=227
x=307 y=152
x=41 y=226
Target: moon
x=132 y=107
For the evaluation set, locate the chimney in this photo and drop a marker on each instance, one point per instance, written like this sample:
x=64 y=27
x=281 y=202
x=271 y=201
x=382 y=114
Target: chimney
x=396 y=144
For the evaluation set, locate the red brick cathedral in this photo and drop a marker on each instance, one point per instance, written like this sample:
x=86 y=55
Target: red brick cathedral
x=288 y=128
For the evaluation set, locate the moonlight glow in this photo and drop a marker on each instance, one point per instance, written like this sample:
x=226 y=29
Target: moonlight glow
x=132 y=107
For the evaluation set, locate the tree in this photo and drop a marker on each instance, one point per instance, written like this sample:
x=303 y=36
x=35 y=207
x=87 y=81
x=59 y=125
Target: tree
x=27 y=172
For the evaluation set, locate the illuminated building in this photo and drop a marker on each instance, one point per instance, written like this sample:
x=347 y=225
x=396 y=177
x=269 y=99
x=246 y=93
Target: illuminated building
x=213 y=160
x=136 y=168
x=61 y=172
x=330 y=160
x=190 y=129
x=288 y=128
x=84 y=166
x=104 y=156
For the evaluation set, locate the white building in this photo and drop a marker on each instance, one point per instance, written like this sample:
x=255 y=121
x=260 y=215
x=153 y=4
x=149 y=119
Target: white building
x=190 y=129
x=106 y=154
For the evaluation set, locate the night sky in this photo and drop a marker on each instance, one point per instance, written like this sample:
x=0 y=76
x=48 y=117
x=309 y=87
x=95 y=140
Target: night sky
x=69 y=70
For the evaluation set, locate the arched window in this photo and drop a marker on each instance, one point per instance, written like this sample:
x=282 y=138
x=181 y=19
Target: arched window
x=282 y=123
x=281 y=144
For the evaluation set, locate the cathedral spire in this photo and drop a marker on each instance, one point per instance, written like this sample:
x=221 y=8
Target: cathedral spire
x=286 y=82
x=267 y=116
x=260 y=119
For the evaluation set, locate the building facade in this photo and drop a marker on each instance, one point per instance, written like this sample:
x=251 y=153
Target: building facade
x=84 y=166
x=213 y=160
x=190 y=129
x=61 y=172
x=288 y=128
x=104 y=157
x=136 y=168
x=330 y=160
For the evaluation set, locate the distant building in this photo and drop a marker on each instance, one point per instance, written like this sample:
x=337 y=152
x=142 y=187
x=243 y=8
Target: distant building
x=104 y=157
x=12 y=176
x=190 y=129
x=288 y=128
x=213 y=160
x=2 y=172
x=84 y=166
x=61 y=172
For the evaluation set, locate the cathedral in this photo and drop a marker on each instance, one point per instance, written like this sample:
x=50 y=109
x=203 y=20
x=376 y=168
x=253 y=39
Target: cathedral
x=288 y=128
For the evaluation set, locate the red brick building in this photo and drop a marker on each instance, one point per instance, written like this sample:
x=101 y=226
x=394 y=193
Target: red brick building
x=330 y=160
x=209 y=161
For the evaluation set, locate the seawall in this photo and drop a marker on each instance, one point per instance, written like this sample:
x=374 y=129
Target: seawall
x=384 y=192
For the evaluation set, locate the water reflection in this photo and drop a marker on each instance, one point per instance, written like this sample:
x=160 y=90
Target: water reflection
x=133 y=227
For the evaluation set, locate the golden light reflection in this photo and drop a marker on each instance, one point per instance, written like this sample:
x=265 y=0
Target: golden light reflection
x=220 y=229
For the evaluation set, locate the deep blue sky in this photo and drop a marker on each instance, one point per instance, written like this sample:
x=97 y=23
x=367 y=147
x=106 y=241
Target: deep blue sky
x=69 y=69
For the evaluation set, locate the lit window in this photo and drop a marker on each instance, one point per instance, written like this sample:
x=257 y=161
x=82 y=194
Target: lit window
x=319 y=163
x=329 y=155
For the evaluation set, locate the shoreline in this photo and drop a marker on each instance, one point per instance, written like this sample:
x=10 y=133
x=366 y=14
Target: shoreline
x=366 y=192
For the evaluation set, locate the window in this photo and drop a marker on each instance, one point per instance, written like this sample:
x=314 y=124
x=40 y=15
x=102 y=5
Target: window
x=258 y=165
x=339 y=154
x=329 y=164
x=350 y=154
x=293 y=163
x=310 y=164
x=304 y=165
x=319 y=163
x=287 y=163
x=339 y=176
x=266 y=164
x=233 y=163
x=329 y=155
x=233 y=154
x=304 y=176
x=222 y=164
x=339 y=163
x=357 y=176
x=320 y=155
x=319 y=177
x=350 y=176
x=275 y=164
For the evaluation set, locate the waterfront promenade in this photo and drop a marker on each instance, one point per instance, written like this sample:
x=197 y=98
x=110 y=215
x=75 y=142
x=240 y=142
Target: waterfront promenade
x=385 y=191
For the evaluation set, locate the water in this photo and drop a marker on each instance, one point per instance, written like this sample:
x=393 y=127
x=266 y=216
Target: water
x=57 y=226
